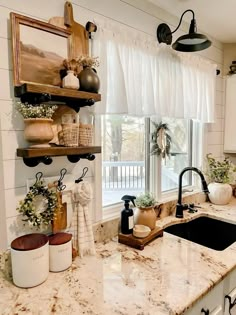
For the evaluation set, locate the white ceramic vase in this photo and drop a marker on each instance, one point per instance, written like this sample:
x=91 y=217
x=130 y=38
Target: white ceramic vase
x=70 y=81
x=220 y=194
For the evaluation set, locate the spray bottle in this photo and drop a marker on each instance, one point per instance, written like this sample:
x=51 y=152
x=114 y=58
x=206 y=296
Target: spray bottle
x=127 y=215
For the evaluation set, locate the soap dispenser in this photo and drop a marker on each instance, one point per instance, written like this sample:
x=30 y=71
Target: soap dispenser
x=127 y=215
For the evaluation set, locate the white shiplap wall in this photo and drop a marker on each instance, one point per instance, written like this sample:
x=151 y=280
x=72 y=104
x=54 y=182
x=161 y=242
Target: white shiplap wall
x=138 y=14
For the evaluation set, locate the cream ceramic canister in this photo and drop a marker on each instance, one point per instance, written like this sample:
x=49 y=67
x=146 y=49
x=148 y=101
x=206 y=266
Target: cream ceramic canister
x=145 y=216
x=219 y=193
x=30 y=260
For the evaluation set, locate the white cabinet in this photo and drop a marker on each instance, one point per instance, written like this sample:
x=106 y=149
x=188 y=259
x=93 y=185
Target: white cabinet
x=211 y=304
x=215 y=302
x=230 y=115
x=230 y=294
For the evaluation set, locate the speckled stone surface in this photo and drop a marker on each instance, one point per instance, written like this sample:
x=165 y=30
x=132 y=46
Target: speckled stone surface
x=166 y=278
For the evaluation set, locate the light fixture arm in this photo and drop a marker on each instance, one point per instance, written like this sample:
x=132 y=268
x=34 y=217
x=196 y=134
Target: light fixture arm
x=193 y=21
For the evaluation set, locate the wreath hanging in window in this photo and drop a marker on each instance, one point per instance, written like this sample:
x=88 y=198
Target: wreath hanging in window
x=161 y=140
x=34 y=216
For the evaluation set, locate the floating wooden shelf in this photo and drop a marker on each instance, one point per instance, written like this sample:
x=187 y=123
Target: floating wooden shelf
x=36 y=93
x=33 y=156
x=56 y=151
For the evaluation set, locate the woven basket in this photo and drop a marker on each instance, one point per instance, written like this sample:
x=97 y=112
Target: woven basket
x=69 y=135
x=85 y=135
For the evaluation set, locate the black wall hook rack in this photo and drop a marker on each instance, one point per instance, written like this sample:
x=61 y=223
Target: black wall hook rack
x=80 y=179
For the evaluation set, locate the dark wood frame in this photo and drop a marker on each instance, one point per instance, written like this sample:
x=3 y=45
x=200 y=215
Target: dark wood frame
x=16 y=20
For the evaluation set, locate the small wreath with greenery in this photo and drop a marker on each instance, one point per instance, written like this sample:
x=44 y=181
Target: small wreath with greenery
x=28 y=209
x=161 y=140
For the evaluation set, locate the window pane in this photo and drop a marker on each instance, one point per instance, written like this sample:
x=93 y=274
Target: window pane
x=180 y=154
x=123 y=154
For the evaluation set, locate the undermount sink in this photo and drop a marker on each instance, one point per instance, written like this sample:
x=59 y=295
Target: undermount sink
x=212 y=233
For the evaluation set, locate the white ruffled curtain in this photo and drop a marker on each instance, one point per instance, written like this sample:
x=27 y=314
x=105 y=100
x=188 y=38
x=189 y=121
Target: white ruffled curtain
x=140 y=77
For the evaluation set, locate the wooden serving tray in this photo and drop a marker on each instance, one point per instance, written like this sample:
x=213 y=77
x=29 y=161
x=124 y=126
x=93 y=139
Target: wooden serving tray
x=139 y=243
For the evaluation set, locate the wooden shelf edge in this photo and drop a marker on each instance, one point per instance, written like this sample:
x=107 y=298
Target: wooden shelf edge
x=56 y=151
x=55 y=91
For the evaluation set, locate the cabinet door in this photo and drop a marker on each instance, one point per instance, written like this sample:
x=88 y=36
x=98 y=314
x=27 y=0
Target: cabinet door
x=230 y=293
x=211 y=304
x=230 y=303
x=230 y=114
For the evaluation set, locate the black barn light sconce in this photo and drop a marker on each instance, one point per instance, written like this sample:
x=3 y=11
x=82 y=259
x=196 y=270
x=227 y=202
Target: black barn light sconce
x=190 y=42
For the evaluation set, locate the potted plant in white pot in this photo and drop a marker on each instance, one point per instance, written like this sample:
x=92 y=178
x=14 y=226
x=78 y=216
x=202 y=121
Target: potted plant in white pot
x=38 y=123
x=220 y=175
x=145 y=213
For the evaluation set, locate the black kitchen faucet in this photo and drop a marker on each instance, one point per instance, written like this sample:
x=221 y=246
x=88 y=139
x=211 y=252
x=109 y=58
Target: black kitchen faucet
x=180 y=207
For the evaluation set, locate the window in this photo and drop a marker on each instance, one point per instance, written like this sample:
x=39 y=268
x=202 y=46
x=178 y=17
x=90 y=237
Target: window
x=128 y=167
x=180 y=157
x=123 y=152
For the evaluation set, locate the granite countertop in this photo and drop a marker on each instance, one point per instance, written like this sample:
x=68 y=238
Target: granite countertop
x=166 y=278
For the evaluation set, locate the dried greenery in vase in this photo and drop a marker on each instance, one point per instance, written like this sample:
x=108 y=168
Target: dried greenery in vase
x=87 y=61
x=71 y=65
x=219 y=172
x=36 y=111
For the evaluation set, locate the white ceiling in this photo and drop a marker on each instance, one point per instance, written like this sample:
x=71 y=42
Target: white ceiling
x=214 y=17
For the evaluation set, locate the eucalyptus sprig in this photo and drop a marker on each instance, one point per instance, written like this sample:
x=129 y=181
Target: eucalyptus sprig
x=219 y=171
x=36 y=111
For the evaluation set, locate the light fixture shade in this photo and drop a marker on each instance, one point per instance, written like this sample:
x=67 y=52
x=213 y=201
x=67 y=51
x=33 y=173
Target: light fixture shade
x=191 y=42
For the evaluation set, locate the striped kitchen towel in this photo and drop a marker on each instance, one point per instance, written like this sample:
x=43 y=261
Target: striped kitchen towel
x=82 y=197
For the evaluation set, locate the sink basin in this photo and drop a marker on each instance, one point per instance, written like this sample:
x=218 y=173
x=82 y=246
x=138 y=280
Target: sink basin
x=212 y=233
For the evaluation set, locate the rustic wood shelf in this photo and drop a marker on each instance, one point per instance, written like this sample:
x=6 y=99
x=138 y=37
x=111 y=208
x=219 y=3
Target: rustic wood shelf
x=56 y=151
x=36 y=93
x=33 y=156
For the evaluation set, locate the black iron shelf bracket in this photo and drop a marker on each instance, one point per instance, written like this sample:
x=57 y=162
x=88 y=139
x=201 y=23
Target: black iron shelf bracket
x=47 y=160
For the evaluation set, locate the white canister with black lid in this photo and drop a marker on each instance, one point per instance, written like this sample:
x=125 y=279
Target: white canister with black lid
x=30 y=260
x=60 y=251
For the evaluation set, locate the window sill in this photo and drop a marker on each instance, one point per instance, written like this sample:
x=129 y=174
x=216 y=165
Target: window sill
x=113 y=211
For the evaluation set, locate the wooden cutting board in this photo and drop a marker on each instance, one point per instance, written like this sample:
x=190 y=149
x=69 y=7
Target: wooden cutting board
x=80 y=37
x=60 y=215
x=59 y=221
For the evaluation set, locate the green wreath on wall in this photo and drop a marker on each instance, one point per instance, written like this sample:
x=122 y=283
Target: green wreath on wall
x=28 y=209
x=161 y=140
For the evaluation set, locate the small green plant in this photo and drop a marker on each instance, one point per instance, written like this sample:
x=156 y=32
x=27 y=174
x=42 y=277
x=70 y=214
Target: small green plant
x=145 y=200
x=35 y=111
x=219 y=172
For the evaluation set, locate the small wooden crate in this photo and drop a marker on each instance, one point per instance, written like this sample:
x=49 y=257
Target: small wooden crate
x=139 y=243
